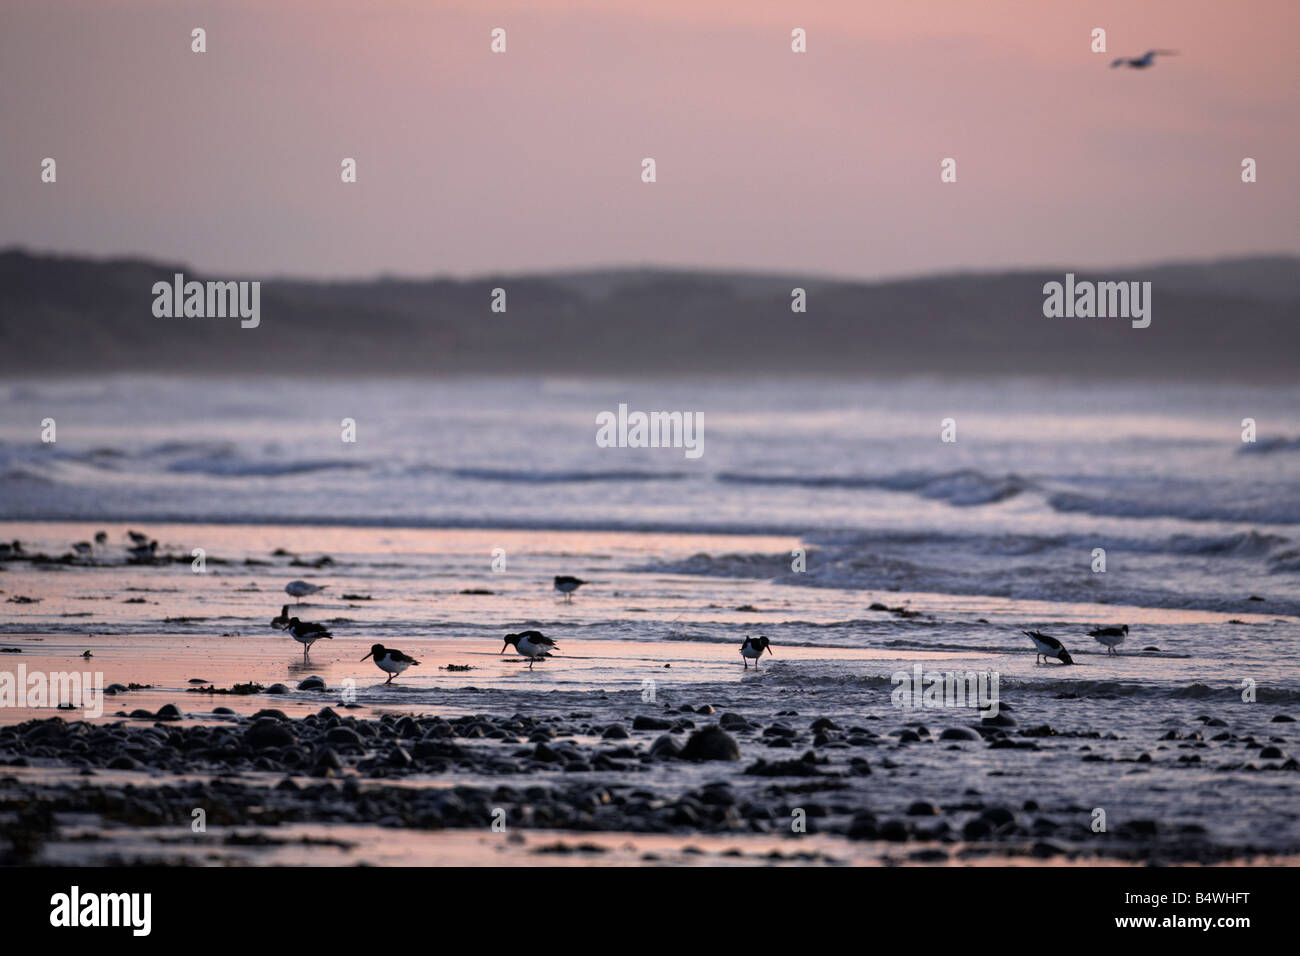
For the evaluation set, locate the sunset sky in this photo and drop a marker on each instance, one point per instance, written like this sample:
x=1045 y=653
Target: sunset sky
x=825 y=162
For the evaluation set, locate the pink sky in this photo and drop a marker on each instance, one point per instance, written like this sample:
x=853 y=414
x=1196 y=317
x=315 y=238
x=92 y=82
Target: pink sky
x=826 y=162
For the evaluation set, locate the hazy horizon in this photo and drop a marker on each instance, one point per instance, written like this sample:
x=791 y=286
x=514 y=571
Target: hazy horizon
x=613 y=268
x=823 y=163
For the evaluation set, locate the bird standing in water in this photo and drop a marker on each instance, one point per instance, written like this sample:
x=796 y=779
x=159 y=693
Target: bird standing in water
x=300 y=589
x=390 y=660
x=307 y=634
x=530 y=644
x=753 y=649
x=1049 y=646
x=1110 y=637
x=567 y=584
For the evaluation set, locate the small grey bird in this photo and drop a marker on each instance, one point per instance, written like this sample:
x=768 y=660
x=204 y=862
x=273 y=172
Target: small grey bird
x=567 y=584
x=1109 y=637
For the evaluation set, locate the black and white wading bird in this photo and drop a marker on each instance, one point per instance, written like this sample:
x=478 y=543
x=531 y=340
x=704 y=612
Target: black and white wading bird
x=1049 y=647
x=143 y=553
x=281 y=621
x=567 y=584
x=531 y=644
x=1141 y=62
x=390 y=660
x=753 y=649
x=300 y=589
x=137 y=538
x=307 y=634
x=1110 y=637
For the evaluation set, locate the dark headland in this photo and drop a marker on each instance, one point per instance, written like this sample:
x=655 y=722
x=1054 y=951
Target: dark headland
x=1229 y=320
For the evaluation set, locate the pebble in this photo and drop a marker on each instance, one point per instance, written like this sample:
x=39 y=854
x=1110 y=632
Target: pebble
x=711 y=743
x=733 y=722
x=642 y=722
x=269 y=732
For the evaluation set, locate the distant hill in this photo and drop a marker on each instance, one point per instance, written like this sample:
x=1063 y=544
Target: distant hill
x=1225 y=320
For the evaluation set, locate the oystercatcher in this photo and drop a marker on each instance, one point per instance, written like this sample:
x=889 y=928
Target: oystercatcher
x=390 y=660
x=1110 y=637
x=307 y=634
x=143 y=554
x=567 y=584
x=1049 y=647
x=300 y=589
x=282 y=620
x=531 y=644
x=753 y=649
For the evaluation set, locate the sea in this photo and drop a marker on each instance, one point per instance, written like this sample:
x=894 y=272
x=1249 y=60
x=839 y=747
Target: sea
x=864 y=527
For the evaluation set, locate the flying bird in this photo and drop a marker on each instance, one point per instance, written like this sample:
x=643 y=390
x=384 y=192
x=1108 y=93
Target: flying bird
x=1049 y=646
x=1141 y=62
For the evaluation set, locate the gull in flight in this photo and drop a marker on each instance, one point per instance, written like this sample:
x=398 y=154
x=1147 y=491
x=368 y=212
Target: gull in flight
x=1141 y=62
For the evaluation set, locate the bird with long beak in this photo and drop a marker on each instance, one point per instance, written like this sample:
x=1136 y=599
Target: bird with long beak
x=753 y=649
x=1048 y=646
x=531 y=644
x=390 y=660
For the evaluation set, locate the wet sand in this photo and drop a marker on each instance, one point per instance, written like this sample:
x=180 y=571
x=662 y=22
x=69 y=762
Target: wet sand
x=583 y=756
